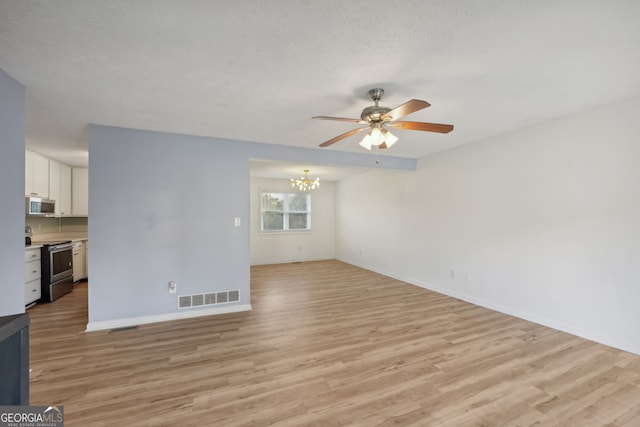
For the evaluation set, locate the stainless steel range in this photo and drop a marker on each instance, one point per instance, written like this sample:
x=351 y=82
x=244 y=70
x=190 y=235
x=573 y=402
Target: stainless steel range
x=57 y=269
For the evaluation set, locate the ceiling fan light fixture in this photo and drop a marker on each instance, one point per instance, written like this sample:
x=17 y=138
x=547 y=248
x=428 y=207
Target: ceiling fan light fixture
x=389 y=138
x=376 y=135
x=366 y=142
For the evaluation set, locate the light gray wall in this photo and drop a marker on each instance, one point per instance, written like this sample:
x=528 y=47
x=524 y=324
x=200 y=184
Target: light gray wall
x=12 y=130
x=543 y=223
x=319 y=243
x=162 y=207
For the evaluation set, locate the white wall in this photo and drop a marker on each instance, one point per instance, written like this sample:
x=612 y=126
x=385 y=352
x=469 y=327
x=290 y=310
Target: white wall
x=12 y=130
x=319 y=243
x=543 y=223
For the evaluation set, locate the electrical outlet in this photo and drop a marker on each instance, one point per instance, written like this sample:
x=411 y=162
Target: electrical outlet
x=173 y=287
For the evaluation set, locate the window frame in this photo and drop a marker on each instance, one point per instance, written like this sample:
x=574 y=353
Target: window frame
x=286 y=212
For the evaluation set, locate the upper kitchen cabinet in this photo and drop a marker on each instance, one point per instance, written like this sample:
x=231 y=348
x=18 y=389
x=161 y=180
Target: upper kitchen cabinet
x=80 y=191
x=36 y=174
x=65 y=190
x=60 y=187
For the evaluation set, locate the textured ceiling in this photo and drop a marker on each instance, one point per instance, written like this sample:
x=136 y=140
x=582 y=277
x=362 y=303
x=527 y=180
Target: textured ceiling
x=259 y=70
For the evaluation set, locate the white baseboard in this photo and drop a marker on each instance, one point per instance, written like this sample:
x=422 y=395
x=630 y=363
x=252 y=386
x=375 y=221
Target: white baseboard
x=135 y=321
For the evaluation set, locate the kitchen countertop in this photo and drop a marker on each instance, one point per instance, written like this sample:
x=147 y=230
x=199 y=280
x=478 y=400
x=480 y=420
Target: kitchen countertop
x=57 y=237
x=43 y=239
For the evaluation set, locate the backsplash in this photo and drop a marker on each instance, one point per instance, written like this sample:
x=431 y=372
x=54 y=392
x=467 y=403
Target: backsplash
x=67 y=225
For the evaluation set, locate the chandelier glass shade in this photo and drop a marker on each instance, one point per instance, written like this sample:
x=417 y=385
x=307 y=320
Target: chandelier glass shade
x=376 y=136
x=304 y=183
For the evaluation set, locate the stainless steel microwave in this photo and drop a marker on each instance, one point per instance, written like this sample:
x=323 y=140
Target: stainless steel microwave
x=40 y=206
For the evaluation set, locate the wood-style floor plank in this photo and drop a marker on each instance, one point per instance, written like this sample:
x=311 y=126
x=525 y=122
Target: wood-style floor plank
x=329 y=344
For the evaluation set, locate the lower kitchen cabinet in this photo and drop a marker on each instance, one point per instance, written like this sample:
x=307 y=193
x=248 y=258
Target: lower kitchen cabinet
x=32 y=274
x=79 y=260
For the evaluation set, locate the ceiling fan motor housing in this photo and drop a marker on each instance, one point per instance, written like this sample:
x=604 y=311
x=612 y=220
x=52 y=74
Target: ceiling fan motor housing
x=372 y=114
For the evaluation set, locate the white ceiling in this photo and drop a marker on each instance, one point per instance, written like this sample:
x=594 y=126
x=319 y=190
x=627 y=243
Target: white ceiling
x=259 y=70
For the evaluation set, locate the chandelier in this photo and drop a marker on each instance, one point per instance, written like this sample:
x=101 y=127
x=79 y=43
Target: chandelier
x=304 y=183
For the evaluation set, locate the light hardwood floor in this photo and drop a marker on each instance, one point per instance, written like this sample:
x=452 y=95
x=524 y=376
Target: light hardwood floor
x=329 y=344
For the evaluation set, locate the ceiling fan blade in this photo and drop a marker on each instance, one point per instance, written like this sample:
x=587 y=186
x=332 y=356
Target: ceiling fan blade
x=404 y=109
x=340 y=119
x=428 y=127
x=342 y=136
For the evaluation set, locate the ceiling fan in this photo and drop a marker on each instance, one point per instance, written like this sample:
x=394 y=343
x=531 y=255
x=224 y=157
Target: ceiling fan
x=378 y=119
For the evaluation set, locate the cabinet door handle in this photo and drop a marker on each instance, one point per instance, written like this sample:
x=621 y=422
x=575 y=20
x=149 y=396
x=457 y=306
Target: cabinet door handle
x=34 y=255
x=34 y=290
x=34 y=271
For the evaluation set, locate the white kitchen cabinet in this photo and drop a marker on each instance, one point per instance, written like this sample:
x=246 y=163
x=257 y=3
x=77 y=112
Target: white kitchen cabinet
x=32 y=275
x=80 y=191
x=60 y=187
x=36 y=178
x=79 y=261
x=54 y=184
x=65 y=190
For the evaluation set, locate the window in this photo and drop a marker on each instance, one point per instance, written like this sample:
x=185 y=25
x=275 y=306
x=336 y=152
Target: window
x=285 y=211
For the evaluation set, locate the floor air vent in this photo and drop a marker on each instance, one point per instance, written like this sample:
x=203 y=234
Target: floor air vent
x=212 y=298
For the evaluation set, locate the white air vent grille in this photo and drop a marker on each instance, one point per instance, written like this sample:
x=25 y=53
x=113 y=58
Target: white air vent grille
x=184 y=301
x=197 y=300
x=212 y=298
x=221 y=297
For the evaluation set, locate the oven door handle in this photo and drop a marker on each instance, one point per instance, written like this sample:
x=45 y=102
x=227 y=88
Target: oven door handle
x=60 y=248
